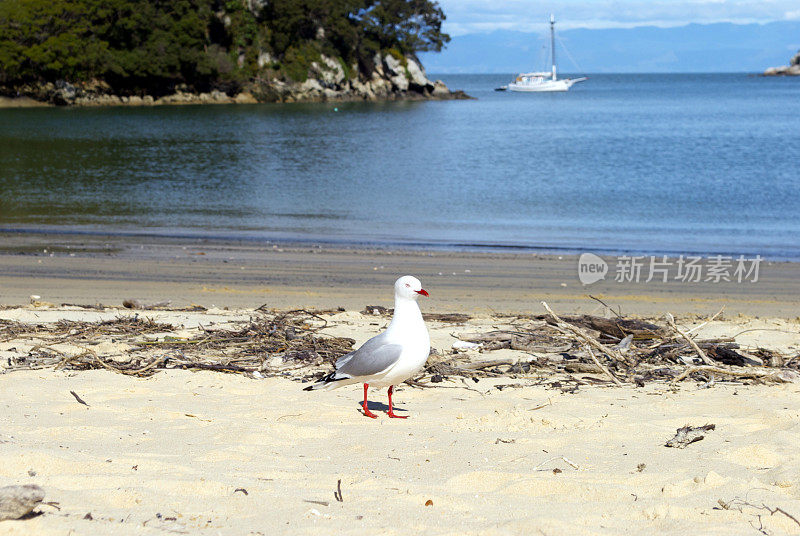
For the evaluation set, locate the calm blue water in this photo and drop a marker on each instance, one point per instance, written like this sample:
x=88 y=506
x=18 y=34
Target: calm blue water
x=652 y=163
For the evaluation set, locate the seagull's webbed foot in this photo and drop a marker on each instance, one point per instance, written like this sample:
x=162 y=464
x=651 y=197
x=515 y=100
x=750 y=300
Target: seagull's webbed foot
x=368 y=413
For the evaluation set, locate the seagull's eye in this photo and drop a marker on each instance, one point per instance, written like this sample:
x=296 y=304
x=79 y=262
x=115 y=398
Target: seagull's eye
x=407 y=285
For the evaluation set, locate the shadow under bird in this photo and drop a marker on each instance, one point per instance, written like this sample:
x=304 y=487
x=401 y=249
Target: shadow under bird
x=391 y=357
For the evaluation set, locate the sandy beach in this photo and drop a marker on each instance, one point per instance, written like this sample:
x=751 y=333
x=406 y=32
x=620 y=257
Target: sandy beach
x=199 y=452
x=212 y=453
x=169 y=454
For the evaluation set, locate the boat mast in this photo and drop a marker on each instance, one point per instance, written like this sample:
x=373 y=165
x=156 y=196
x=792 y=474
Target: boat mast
x=553 y=44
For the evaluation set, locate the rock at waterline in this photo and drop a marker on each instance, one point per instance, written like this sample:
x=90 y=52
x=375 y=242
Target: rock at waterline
x=793 y=69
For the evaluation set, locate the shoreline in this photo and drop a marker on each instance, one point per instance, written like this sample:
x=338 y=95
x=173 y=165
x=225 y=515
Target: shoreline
x=101 y=269
x=201 y=99
x=442 y=246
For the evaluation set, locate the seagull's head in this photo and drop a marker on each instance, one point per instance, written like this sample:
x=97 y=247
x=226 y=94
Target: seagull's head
x=409 y=287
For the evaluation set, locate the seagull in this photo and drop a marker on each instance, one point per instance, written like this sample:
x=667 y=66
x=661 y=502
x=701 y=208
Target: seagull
x=391 y=357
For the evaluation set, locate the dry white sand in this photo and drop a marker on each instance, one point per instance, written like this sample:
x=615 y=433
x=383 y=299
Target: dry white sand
x=167 y=454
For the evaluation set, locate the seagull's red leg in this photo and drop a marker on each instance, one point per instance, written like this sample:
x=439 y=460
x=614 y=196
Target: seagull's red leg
x=367 y=412
x=390 y=413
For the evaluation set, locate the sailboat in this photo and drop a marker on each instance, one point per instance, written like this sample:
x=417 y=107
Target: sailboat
x=543 y=81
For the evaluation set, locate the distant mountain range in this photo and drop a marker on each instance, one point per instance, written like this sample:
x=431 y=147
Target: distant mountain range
x=722 y=47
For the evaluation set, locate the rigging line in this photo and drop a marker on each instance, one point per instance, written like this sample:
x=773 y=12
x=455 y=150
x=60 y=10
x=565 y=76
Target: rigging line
x=575 y=63
x=542 y=58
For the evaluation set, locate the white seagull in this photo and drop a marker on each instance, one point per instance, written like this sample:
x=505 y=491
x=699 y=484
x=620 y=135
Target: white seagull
x=391 y=357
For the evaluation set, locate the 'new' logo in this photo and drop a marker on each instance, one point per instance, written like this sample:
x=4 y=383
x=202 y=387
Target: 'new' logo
x=591 y=268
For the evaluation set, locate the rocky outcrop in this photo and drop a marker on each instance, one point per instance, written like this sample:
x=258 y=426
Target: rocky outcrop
x=329 y=79
x=392 y=78
x=793 y=69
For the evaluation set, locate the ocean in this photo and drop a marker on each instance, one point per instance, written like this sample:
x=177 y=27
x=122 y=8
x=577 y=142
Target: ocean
x=656 y=164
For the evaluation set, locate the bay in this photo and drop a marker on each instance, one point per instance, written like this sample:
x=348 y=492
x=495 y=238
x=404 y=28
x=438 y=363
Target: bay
x=661 y=163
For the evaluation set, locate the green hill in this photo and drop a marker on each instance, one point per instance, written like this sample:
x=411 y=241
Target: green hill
x=65 y=50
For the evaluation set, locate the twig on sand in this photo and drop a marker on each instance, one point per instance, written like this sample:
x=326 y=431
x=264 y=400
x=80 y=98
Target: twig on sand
x=540 y=406
x=777 y=509
x=571 y=464
x=79 y=399
x=338 y=493
x=740 y=503
x=679 y=331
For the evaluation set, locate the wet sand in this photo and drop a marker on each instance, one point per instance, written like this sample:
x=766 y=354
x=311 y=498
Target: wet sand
x=98 y=269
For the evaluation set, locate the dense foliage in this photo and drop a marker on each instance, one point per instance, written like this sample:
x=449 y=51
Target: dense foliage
x=154 y=45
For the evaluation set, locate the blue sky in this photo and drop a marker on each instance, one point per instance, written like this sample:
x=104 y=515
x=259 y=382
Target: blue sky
x=474 y=16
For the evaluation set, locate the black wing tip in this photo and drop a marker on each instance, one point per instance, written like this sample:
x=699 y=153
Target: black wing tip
x=326 y=380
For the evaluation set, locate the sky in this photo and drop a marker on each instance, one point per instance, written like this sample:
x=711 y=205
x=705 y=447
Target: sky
x=479 y=16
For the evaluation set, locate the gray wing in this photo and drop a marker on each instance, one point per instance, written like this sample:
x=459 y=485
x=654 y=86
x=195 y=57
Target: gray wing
x=374 y=356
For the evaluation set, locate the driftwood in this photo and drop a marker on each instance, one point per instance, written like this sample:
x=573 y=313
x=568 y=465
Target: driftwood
x=526 y=342
x=454 y=318
x=689 y=434
x=760 y=373
x=582 y=368
x=490 y=336
x=586 y=338
x=589 y=345
x=19 y=501
x=727 y=355
x=96 y=306
x=133 y=303
x=617 y=328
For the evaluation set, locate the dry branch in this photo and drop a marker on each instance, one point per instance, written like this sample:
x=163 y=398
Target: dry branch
x=604 y=369
x=586 y=338
x=679 y=331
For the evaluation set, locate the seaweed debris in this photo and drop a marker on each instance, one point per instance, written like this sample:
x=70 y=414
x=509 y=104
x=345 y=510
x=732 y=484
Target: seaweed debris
x=616 y=351
x=272 y=343
x=571 y=350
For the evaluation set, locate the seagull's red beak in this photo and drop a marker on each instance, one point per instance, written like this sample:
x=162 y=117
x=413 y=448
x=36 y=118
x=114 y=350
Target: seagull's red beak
x=422 y=291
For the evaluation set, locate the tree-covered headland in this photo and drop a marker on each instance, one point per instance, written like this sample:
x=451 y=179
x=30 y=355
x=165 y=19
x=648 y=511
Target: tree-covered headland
x=139 y=47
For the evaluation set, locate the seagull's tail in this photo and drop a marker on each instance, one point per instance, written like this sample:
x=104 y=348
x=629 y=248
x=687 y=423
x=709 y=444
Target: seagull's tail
x=328 y=382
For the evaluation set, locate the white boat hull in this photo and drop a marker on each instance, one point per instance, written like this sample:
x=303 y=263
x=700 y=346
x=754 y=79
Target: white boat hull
x=545 y=85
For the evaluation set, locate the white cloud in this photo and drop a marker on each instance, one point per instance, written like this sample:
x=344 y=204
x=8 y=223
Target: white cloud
x=470 y=16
